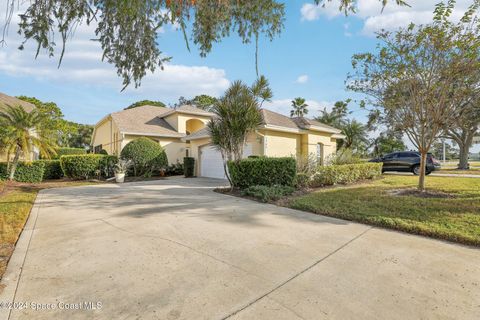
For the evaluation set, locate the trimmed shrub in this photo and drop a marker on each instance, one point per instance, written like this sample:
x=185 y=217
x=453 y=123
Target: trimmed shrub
x=107 y=165
x=343 y=156
x=82 y=166
x=263 y=171
x=69 y=151
x=146 y=155
x=346 y=173
x=175 y=169
x=53 y=169
x=189 y=167
x=25 y=172
x=268 y=193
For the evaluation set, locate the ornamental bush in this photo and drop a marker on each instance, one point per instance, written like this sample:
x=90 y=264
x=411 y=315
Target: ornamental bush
x=26 y=171
x=82 y=166
x=69 y=151
x=346 y=173
x=146 y=155
x=263 y=171
x=53 y=169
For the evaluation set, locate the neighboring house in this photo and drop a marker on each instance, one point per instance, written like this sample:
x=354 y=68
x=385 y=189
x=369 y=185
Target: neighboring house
x=165 y=125
x=183 y=132
x=6 y=101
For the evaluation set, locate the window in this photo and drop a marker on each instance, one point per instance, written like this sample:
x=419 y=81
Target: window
x=186 y=152
x=320 y=154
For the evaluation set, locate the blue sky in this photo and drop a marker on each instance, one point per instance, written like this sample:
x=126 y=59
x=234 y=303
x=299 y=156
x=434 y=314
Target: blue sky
x=310 y=59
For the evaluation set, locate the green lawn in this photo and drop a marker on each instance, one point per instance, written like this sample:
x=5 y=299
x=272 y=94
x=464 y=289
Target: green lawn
x=456 y=218
x=16 y=201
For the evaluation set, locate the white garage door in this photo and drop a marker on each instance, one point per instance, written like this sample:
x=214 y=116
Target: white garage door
x=211 y=163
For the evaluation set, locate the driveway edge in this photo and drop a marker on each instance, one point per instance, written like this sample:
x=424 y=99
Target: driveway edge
x=12 y=274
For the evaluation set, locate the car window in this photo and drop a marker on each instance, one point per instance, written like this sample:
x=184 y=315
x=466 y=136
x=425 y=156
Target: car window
x=391 y=156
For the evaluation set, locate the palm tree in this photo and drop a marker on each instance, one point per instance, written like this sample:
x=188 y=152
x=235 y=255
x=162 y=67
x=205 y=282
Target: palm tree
x=237 y=114
x=23 y=131
x=356 y=135
x=299 y=108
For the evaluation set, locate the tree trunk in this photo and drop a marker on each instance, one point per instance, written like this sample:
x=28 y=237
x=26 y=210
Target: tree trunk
x=423 y=163
x=13 y=168
x=464 y=147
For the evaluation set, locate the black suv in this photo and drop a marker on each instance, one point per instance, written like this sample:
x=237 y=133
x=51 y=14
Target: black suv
x=407 y=161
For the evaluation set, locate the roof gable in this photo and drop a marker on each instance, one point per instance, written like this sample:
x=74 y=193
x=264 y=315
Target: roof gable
x=6 y=101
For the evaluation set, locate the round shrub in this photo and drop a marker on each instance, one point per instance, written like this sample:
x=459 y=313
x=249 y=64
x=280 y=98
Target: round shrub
x=146 y=156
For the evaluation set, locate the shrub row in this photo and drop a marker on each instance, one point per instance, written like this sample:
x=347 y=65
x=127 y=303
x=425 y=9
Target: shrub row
x=53 y=169
x=347 y=173
x=69 y=151
x=268 y=193
x=86 y=166
x=263 y=171
x=25 y=172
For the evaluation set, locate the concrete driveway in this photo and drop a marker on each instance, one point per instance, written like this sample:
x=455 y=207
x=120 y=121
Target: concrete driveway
x=174 y=249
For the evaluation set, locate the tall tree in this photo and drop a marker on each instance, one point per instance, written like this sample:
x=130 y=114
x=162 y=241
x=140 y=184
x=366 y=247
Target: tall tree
x=299 y=107
x=25 y=132
x=387 y=142
x=465 y=126
x=145 y=103
x=421 y=75
x=356 y=136
x=237 y=114
x=128 y=30
x=204 y=102
x=337 y=117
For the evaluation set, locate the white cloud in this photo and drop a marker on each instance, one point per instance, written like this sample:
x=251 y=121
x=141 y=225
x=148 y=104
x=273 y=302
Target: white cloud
x=82 y=65
x=392 y=16
x=302 y=79
x=283 y=106
x=311 y=12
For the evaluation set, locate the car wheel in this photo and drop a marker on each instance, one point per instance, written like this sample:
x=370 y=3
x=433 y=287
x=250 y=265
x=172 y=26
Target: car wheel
x=427 y=172
x=416 y=170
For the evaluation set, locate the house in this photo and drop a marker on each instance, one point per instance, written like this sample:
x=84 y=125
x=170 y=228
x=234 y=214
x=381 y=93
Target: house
x=183 y=132
x=8 y=101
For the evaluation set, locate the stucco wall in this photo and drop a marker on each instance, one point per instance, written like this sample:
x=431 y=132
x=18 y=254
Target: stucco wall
x=179 y=121
x=282 y=144
x=328 y=143
x=103 y=135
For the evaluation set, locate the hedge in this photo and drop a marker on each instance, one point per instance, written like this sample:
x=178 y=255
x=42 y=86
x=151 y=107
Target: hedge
x=53 y=169
x=343 y=174
x=146 y=155
x=189 y=167
x=84 y=166
x=69 y=151
x=263 y=171
x=25 y=172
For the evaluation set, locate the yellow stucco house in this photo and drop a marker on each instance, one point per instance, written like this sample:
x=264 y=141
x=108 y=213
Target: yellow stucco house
x=183 y=132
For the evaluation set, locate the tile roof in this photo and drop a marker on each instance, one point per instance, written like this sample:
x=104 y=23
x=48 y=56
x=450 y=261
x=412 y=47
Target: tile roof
x=12 y=101
x=202 y=133
x=145 y=120
x=304 y=123
x=277 y=119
